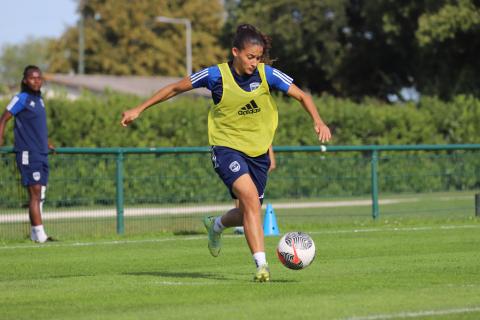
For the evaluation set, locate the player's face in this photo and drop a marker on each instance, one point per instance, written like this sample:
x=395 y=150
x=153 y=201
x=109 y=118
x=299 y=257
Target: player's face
x=247 y=59
x=34 y=80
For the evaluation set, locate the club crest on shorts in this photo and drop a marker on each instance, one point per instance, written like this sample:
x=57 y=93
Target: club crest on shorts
x=234 y=166
x=36 y=176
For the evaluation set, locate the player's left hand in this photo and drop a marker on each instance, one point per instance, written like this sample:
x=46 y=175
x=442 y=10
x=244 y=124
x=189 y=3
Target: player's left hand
x=323 y=132
x=128 y=116
x=51 y=147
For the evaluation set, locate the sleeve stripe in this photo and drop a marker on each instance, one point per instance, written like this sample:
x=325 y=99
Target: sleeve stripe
x=200 y=75
x=279 y=73
x=283 y=74
x=12 y=103
x=282 y=77
x=204 y=71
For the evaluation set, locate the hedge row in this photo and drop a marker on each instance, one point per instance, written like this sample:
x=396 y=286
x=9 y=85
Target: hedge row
x=93 y=121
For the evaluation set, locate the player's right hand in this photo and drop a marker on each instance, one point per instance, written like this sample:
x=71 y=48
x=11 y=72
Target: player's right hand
x=128 y=116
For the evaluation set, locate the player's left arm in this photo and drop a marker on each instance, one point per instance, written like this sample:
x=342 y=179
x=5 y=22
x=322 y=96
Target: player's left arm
x=306 y=100
x=273 y=161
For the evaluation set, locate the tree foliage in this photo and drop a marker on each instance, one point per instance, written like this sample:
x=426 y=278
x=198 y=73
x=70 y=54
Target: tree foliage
x=14 y=58
x=123 y=37
x=358 y=48
x=304 y=34
x=348 y=48
x=450 y=43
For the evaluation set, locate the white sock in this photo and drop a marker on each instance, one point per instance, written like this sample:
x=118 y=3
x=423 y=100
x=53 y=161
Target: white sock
x=218 y=225
x=38 y=234
x=259 y=258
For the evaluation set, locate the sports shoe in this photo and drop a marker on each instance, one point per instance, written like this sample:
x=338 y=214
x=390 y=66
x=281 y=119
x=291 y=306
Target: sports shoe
x=38 y=236
x=42 y=240
x=214 y=238
x=263 y=274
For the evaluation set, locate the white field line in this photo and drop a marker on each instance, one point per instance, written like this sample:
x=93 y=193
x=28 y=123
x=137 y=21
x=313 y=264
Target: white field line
x=180 y=283
x=417 y=314
x=98 y=243
x=396 y=229
x=133 y=212
x=190 y=238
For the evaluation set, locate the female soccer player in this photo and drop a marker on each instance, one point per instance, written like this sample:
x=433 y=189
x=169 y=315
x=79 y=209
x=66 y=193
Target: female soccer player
x=31 y=144
x=241 y=126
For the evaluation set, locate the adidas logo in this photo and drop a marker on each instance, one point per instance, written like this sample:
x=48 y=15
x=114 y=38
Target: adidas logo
x=249 y=108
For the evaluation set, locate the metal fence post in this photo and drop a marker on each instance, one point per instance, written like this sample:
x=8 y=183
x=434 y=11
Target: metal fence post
x=477 y=205
x=119 y=193
x=374 y=185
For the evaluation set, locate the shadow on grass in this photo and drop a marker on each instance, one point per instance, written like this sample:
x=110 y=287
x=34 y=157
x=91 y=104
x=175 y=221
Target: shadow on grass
x=187 y=233
x=166 y=274
x=283 y=281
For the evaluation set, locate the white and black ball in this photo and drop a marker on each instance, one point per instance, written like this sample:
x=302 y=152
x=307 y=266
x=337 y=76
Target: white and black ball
x=296 y=250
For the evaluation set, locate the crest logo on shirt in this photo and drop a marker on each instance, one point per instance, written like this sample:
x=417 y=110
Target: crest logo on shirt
x=32 y=104
x=254 y=85
x=249 y=108
x=234 y=166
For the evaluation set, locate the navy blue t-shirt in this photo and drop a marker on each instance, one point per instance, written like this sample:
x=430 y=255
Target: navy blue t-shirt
x=30 y=130
x=211 y=78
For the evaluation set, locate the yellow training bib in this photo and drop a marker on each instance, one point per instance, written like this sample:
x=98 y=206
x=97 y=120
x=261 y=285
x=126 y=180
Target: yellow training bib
x=242 y=120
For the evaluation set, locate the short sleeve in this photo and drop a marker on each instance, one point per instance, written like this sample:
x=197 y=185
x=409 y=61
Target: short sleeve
x=17 y=104
x=277 y=80
x=205 y=78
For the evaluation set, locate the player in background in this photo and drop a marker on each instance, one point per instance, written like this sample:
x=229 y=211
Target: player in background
x=241 y=127
x=31 y=145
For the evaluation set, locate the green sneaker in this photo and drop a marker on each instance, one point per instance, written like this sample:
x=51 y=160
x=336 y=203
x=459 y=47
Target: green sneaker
x=263 y=274
x=214 y=241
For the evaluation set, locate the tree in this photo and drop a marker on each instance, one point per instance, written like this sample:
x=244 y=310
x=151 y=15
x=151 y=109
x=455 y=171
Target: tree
x=358 y=48
x=381 y=50
x=449 y=39
x=14 y=58
x=304 y=34
x=123 y=37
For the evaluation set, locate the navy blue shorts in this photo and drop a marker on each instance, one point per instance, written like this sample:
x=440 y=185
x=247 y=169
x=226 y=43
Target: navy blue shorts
x=33 y=168
x=230 y=164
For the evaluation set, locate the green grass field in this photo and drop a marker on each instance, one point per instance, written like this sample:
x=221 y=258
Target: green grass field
x=396 y=268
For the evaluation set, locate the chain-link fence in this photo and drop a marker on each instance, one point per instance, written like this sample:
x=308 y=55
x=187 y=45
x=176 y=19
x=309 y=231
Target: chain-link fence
x=101 y=192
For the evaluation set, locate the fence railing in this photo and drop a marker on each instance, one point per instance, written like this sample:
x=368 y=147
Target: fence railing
x=369 y=153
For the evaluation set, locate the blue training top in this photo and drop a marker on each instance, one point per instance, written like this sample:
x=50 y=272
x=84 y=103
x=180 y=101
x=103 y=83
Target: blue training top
x=30 y=130
x=211 y=79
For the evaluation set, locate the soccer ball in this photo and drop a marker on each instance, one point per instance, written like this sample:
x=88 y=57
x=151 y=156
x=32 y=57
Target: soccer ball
x=238 y=230
x=296 y=250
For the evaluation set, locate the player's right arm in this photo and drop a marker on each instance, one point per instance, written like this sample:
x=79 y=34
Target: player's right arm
x=161 y=95
x=3 y=121
x=14 y=107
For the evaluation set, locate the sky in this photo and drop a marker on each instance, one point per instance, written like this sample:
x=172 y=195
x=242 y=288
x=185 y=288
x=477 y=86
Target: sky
x=20 y=19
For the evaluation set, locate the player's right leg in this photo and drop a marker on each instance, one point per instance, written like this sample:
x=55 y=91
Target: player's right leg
x=37 y=233
x=250 y=206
